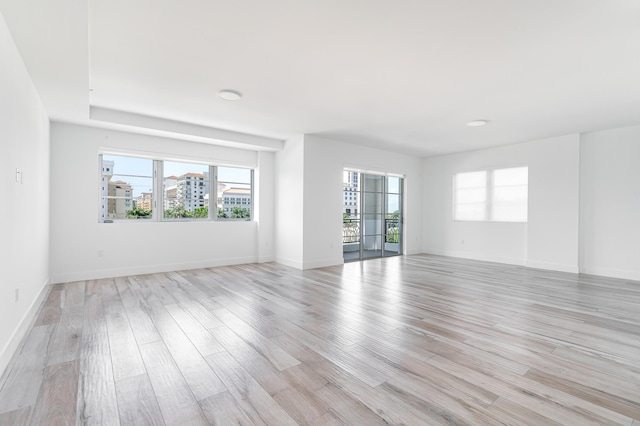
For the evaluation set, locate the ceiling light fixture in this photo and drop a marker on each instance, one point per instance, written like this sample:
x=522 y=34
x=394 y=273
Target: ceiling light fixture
x=229 y=95
x=477 y=123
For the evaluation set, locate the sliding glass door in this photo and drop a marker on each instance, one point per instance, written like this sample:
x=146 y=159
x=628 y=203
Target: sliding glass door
x=392 y=216
x=372 y=216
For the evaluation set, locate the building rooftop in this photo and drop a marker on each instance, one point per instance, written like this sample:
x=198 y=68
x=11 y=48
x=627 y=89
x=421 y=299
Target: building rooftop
x=237 y=191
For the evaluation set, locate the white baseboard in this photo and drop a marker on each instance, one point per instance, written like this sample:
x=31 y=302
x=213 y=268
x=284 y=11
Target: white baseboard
x=553 y=266
x=610 y=272
x=19 y=333
x=413 y=251
x=148 y=269
x=322 y=263
x=289 y=262
x=476 y=256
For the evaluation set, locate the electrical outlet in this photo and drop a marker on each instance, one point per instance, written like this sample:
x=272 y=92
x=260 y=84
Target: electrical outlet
x=17 y=294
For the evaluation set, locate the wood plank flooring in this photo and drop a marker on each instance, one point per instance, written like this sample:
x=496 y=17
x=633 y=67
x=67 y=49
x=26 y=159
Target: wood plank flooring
x=415 y=340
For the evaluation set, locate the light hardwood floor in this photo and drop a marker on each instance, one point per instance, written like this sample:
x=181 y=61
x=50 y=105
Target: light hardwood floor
x=416 y=340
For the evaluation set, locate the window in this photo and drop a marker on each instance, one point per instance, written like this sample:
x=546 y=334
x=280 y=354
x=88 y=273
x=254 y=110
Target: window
x=471 y=196
x=499 y=195
x=180 y=199
x=234 y=190
x=510 y=194
x=182 y=191
x=126 y=188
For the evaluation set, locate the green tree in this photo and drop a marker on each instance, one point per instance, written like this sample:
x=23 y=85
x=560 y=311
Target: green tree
x=222 y=213
x=240 y=212
x=136 y=213
x=177 y=212
x=201 y=212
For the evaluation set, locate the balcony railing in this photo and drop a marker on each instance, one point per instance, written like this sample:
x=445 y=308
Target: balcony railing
x=351 y=230
x=391 y=230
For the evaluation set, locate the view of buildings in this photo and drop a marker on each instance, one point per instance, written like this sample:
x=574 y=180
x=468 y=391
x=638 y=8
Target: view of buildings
x=190 y=191
x=116 y=194
x=186 y=195
x=144 y=201
x=230 y=197
x=351 y=196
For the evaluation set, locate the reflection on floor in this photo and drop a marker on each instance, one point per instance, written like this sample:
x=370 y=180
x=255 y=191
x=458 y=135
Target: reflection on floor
x=350 y=256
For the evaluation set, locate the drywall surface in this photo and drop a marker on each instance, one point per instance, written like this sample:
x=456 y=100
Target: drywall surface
x=548 y=240
x=610 y=203
x=289 y=211
x=554 y=200
x=83 y=248
x=24 y=184
x=264 y=195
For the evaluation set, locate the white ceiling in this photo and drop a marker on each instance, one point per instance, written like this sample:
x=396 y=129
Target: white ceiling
x=402 y=75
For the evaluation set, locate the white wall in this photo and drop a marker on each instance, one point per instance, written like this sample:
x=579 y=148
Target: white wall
x=324 y=161
x=77 y=239
x=24 y=216
x=289 y=207
x=610 y=203
x=264 y=208
x=550 y=238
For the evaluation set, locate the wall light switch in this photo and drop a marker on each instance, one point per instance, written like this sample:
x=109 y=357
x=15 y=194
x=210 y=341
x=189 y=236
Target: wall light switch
x=19 y=176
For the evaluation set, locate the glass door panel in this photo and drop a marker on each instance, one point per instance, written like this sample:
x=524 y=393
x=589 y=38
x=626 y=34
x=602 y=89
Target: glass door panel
x=394 y=185
x=372 y=224
x=351 y=232
x=372 y=211
x=392 y=204
x=393 y=217
x=372 y=246
x=372 y=202
x=373 y=183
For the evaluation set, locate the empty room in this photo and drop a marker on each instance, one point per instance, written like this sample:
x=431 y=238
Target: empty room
x=320 y=212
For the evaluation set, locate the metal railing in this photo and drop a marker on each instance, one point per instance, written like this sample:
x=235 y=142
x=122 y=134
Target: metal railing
x=351 y=230
x=391 y=230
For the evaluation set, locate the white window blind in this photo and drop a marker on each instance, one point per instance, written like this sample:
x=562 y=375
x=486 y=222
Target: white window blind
x=471 y=196
x=510 y=194
x=499 y=195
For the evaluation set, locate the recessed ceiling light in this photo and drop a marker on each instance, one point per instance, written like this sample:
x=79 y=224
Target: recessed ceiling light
x=477 y=123
x=229 y=95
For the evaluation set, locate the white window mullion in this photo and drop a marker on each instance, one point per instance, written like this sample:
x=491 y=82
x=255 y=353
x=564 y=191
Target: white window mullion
x=158 y=193
x=251 y=195
x=213 y=193
x=489 y=205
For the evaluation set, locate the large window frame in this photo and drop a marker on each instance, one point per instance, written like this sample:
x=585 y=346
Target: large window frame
x=158 y=197
x=372 y=219
x=483 y=196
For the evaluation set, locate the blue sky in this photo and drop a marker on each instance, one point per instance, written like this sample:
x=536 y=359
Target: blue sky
x=139 y=171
